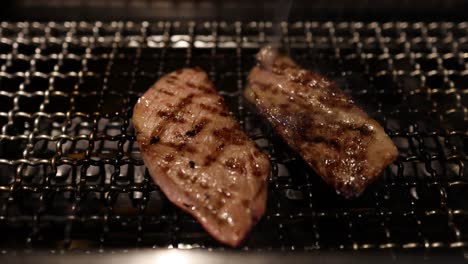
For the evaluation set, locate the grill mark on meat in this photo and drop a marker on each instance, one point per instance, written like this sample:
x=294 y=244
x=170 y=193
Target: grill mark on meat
x=201 y=88
x=342 y=127
x=211 y=109
x=164 y=114
x=175 y=146
x=229 y=136
x=210 y=158
x=171 y=115
x=183 y=146
x=178 y=147
x=167 y=92
x=191 y=85
x=197 y=128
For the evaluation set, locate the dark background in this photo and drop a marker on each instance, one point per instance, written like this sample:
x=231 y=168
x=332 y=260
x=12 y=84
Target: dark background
x=229 y=10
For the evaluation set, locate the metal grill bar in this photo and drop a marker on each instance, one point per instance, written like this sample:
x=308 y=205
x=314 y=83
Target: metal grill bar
x=72 y=178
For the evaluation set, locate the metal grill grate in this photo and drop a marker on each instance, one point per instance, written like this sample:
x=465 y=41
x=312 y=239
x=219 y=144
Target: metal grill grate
x=71 y=175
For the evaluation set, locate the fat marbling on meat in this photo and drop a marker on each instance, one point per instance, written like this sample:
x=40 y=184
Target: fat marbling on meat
x=342 y=144
x=199 y=156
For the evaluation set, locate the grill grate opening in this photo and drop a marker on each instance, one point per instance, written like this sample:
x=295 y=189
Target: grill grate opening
x=72 y=177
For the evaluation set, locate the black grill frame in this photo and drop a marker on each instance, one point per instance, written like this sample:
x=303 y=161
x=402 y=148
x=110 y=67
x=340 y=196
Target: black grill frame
x=72 y=179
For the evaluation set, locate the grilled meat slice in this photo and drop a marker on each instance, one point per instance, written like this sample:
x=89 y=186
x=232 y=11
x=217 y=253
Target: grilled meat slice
x=199 y=156
x=335 y=137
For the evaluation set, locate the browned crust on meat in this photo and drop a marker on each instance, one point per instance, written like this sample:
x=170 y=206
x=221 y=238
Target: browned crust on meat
x=199 y=156
x=307 y=111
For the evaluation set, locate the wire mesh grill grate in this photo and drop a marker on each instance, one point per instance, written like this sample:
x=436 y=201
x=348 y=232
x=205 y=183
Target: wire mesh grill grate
x=71 y=175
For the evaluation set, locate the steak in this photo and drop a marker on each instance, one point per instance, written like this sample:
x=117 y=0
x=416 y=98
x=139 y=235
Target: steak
x=341 y=143
x=199 y=156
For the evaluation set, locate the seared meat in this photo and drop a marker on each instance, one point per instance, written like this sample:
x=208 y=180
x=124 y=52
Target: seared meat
x=335 y=137
x=199 y=156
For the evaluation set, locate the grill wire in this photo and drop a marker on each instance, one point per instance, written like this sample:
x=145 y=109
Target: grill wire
x=71 y=174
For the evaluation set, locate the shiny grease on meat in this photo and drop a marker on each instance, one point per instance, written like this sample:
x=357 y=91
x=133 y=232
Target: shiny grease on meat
x=335 y=137
x=199 y=156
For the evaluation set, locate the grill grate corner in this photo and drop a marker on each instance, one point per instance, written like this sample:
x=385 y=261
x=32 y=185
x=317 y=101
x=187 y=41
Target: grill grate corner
x=71 y=175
